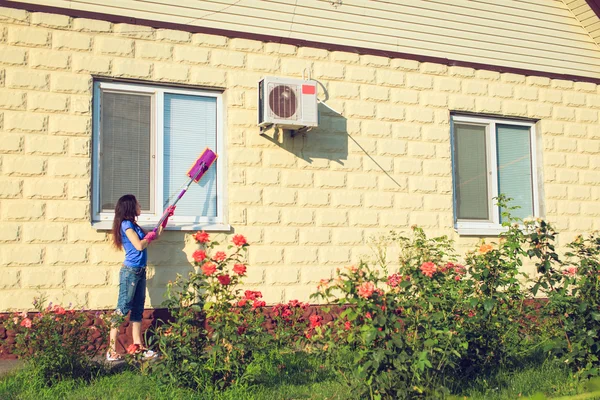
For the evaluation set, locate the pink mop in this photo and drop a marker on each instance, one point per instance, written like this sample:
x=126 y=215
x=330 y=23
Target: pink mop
x=202 y=164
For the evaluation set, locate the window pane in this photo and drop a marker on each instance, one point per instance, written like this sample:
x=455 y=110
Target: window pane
x=470 y=171
x=125 y=147
x=514 y=167
x=190 y=127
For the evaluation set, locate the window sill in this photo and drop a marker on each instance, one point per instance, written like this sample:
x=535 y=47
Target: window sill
x=480 y=230
x=175 y=226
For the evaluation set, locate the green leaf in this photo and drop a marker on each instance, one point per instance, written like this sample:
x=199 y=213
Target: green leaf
x=488 y=304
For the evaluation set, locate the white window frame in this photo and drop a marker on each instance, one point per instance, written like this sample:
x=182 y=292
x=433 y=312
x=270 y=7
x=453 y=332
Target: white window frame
x=492 y=226
x=103 y=220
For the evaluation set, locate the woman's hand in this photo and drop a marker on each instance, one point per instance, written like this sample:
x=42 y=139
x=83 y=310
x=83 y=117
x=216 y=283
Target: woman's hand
x=150 y=236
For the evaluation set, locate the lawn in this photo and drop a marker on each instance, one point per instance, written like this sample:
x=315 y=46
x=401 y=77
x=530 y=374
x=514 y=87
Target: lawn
x=535 y=381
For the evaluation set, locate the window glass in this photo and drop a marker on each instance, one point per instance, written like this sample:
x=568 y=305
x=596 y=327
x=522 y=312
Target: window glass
x=514 y=168
x=190 y=125
x=125 y=149
x=471 y=183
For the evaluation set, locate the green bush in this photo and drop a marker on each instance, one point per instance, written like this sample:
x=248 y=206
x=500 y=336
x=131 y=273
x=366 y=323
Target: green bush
x=56 y=342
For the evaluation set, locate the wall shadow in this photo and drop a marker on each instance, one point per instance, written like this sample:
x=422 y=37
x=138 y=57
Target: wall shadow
x=328 y=141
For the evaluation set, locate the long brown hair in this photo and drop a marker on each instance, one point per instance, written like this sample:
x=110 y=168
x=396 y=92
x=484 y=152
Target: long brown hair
x=125 y=210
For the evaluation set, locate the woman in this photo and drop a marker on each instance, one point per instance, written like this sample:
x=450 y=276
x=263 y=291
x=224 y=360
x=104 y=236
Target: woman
x=129 y=236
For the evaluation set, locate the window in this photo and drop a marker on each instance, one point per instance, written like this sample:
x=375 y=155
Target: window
x=145 y=140
x=492 y=157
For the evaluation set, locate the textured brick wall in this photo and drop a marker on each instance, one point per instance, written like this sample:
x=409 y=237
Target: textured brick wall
x=307 y=204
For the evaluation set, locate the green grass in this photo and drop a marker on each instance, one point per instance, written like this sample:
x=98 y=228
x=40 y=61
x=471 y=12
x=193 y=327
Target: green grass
x=535 y=381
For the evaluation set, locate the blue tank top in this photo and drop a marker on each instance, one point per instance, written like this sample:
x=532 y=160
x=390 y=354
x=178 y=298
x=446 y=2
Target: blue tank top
x=133 y=257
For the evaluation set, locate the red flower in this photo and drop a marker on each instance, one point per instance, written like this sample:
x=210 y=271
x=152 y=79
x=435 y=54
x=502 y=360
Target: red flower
x=457 y=278
x=208 y=268
x=366 y=289
x=220 y=256
x=224 y=279
x=368 y=315
x=242 y=302
x=315 y=320
x=241 y=329
x=257 y=304
x=252 y=295
x=239 y=240
x=202 y=237
x=239 y=269
x=347 y=325
x=428 y=269
x=26 y=323
x=199 y=255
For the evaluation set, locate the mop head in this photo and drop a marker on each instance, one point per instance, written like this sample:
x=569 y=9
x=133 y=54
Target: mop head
x=202 y=165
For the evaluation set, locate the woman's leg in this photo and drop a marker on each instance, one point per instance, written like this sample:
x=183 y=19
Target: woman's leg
x=136 y=332
x=126 y=293
x=113 y=339
x=137 y=308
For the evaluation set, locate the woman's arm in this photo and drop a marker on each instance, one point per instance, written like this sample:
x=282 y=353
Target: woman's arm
x=135 y=240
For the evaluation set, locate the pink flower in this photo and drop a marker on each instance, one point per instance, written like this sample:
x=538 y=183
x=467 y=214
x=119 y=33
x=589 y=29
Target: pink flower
x=286 y=313
x=239 y=269
x=242 y=302
x=26 y=323
x=59 y=310
x=224 y=279
x=368 y=315
x=202 y=237
x=239 y=240
x=457 y=278
x=209 y=268
x=571 y=271
x=366 y=289
x=294 y=303
x=428 y=269
x=315 y=320
x=220 y=256
x=199 y=255
x=394 y=280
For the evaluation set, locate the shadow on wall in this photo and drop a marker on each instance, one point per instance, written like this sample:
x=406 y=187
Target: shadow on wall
x=328 y=141
x=166 y=259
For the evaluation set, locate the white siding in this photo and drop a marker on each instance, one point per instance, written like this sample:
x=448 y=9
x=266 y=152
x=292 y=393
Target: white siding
x=543 y=35
x=586 y=16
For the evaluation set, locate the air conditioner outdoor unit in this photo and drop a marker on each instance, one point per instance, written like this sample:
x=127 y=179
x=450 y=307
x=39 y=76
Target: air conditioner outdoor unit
x=287 y=103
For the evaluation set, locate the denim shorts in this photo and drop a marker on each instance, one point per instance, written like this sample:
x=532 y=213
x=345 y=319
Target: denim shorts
x=132 y=292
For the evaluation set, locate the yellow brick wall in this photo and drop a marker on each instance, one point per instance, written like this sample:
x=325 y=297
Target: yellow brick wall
x=307 y=204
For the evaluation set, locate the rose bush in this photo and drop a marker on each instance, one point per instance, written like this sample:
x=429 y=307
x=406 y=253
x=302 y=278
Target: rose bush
x=215 y=327
x=56 y=342
x=404 y=328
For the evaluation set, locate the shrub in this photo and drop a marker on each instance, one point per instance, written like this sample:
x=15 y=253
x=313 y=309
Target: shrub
x=572 y=287
x=215 y=328
x=404 y=329
x=57 y=342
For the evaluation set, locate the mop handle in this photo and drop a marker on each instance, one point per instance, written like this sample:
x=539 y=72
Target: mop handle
x=165 y=215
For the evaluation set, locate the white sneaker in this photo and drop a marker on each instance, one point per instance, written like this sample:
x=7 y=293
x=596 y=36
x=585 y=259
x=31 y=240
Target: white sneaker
x=149 y=354
x=113 y=356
